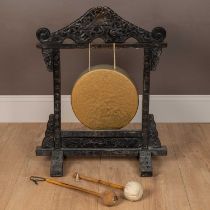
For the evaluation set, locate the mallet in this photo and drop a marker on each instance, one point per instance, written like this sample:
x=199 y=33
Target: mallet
x=108 y=198
x=132 y=191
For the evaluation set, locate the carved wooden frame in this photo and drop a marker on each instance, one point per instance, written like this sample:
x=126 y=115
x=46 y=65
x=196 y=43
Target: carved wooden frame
x=104 y=23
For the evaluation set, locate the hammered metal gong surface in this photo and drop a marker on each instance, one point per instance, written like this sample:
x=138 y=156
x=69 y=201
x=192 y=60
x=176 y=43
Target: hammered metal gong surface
x=104 y=98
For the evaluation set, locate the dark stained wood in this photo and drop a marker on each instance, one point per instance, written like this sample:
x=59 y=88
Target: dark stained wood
x=104 y=23
x=100 y=46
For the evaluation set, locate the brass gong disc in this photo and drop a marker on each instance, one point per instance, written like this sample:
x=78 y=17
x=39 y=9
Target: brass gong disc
x=104 y=98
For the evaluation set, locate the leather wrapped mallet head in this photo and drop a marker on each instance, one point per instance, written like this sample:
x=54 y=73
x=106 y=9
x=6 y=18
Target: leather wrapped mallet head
x=133 y=191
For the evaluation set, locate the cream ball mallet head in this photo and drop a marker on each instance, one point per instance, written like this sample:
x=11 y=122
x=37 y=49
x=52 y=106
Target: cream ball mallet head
x=133 y=191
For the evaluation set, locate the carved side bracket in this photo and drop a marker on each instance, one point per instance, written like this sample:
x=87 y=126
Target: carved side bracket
x=154 y=141
x=158 y=33
x=48 y=141
x=48 y=58
x=155 y=57
x=51 y=58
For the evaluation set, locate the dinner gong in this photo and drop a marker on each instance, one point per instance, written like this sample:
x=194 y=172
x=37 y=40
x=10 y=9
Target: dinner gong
x=104 y=97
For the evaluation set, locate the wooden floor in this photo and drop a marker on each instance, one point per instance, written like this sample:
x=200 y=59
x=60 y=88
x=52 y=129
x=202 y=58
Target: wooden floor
x=181 y=180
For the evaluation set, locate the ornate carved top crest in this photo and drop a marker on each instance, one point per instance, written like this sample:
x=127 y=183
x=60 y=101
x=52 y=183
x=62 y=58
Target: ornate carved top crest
x=104 y=23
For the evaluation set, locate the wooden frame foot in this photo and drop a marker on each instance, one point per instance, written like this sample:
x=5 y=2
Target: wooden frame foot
x=56 y=168
x=145 y=159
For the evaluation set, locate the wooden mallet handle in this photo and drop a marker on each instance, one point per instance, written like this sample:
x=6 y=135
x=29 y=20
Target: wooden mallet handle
x=110 y=184
x=109 y=198
x=69 y=186
x=37 y=179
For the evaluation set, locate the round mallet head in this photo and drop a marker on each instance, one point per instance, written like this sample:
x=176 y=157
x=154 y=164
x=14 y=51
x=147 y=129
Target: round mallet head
x=133 y=191
x=109 y=198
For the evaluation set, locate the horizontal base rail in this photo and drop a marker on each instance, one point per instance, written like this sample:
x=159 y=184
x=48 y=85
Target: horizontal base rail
x=161 y=151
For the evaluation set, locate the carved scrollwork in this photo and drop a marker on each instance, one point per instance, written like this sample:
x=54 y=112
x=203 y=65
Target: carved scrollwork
x=159 y=34
x=43 y=34
x=100 y=22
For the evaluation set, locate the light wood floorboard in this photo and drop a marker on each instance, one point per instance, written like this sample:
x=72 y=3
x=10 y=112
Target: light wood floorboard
x=181 y=180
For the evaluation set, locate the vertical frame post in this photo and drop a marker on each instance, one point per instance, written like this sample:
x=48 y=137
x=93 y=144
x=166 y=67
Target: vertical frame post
x=56 y=168
x=57 y=97
x=146 y=97
x=145 y=155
